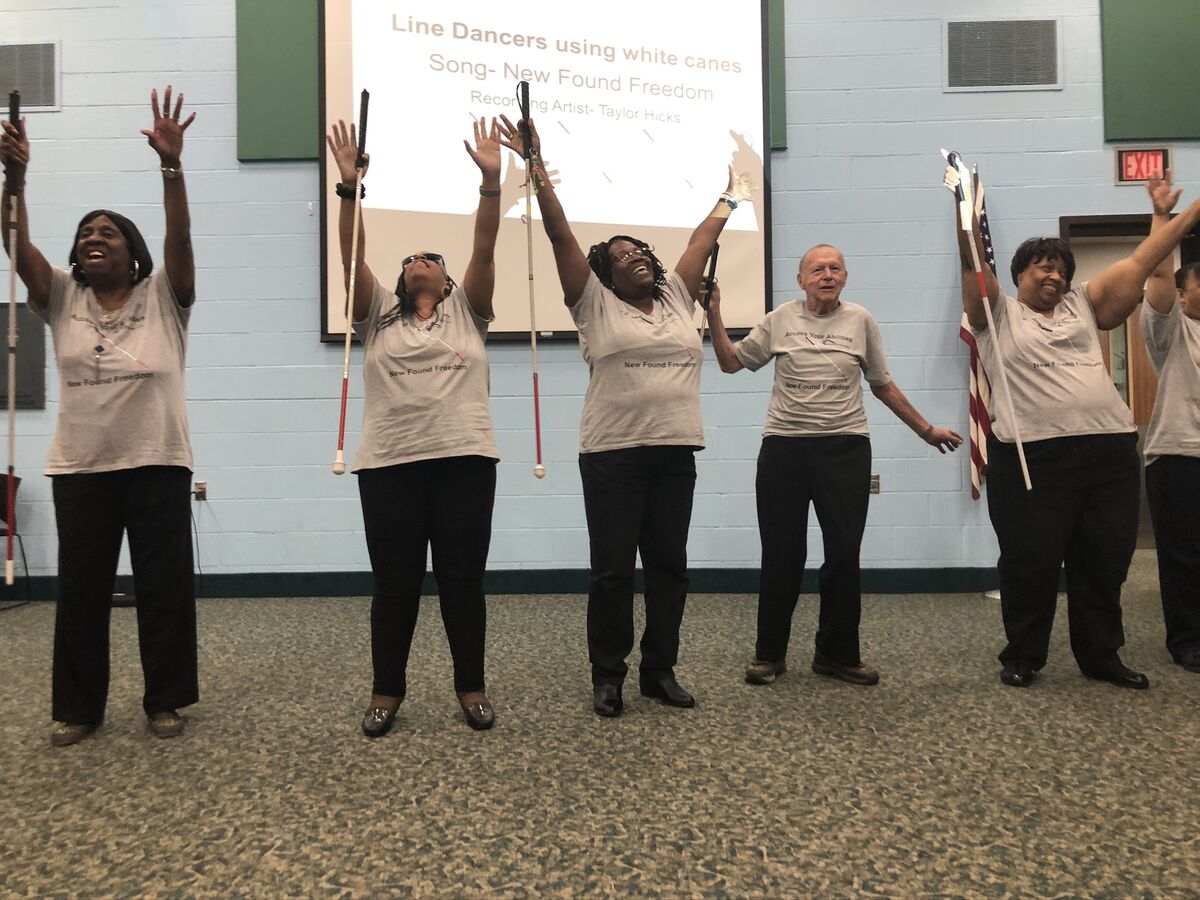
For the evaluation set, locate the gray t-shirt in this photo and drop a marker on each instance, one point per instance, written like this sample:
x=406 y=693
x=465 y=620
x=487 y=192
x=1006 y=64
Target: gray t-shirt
x=1173 y=342
x=425 y=383
x=819 y=365
x=644 y=385
x=121 y=397
x=1055 y=367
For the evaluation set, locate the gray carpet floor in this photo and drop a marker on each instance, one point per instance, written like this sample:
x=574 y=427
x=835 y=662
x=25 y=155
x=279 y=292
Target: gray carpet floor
x=940 y=781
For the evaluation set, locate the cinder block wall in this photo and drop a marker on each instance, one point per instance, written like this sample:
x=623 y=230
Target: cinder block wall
x=867 y=115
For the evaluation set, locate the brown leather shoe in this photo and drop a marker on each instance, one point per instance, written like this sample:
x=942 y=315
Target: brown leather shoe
x=166 y=724
x=69 y=733
x=764 y=671
x=859 y=673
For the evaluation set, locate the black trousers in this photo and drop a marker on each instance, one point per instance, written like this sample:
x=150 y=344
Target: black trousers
x=834 y=473
x=93 y=512
x=446 y=505
x=1173 y=491
x=637 y=500
x=1082 y=512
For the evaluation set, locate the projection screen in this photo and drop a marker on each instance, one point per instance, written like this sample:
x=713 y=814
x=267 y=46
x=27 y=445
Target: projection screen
x=641 y=109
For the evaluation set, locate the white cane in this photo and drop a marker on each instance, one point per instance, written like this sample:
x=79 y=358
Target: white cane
x=339 y=464
x=965 y=213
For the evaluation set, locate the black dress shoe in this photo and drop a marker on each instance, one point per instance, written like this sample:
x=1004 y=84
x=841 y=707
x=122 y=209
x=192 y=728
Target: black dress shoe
x=1190 y=660
x=378 y=721
x=667 y=690
x=1115 y=672
x=606 y=700
x=477 y=710
x=1018 y=674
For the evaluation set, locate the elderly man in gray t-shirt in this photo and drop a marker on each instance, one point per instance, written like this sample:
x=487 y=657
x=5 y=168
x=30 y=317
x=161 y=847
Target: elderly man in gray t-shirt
x=816 y=448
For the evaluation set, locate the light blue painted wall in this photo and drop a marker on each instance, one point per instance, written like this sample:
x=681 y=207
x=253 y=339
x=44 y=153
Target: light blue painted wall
x=862 y=171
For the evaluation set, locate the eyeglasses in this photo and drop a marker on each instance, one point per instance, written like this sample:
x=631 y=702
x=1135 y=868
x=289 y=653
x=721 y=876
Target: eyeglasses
x=432 y=257
x=630 y=254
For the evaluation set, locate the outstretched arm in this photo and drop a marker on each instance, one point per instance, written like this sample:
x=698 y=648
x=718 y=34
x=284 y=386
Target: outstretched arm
x=893 y=398
x=1160 y=288
x=573 y=268
x=343 y=147
x=480 y=280
x=691 y=264
x=31 y=265
x=1116 y=292
x=727 y=358
x=972 y=298
x=166 y=137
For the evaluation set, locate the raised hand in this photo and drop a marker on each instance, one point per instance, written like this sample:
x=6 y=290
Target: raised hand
x=740 y=186
x=952 y=180
x=512 y=187
x=343 y=147
x=14 y=152
x=1162 y=198
x=514 y=139
x=486 y=151
x=166 y=137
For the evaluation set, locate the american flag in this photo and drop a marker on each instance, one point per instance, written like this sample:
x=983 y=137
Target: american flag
x=981 y=389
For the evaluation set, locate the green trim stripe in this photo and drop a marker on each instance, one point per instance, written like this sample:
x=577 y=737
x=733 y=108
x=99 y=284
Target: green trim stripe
x=776 y=75
x=533 y=581
x=277 y=85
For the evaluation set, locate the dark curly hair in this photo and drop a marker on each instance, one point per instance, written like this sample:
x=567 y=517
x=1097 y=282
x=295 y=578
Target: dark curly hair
x=138 y=252
x=1190 y=270
x=602 y=266
x=408 y=303
x=1037 y=249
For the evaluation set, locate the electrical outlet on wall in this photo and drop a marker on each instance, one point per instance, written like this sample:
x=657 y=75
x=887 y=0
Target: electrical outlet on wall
x=874 y=484
x=200 y=490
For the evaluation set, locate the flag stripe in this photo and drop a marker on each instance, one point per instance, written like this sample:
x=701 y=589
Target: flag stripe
x=980 y=394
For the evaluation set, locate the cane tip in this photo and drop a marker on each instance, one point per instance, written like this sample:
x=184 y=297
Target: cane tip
x=339 y=468
x=539 y=470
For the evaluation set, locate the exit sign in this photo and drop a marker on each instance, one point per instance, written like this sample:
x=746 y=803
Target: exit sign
x=1137 y=165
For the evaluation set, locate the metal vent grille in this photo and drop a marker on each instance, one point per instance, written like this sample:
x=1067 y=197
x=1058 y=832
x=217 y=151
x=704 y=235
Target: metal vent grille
x=30 y=69
x=1005 y=55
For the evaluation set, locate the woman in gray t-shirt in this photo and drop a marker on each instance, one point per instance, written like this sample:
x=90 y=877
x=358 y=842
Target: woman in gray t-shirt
x=639 y=433
x=1171 y=324
x=1080 y=443
x=426 y=464
x=121 y=456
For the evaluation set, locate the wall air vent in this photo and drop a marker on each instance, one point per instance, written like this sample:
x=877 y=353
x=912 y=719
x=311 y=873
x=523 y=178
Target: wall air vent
x=32 y=69
x=1003 y=55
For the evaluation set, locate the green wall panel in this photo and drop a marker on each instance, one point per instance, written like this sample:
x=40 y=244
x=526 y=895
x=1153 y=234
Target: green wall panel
x=1148 y=50
x=277 y=83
